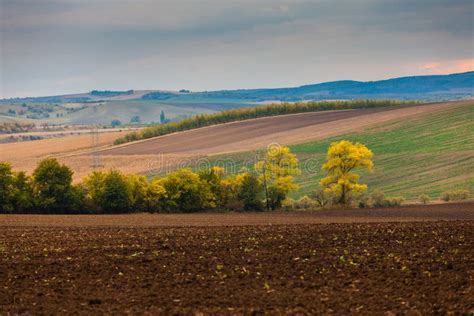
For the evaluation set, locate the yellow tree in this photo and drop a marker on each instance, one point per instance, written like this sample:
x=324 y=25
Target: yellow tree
x=276 y=171
x=342 y=158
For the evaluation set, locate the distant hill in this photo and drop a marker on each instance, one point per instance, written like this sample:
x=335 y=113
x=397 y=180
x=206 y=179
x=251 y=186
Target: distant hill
x=103 y=106
x=425 y=88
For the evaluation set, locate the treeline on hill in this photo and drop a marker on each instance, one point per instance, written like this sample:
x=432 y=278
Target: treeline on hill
x=109 y=93
x=250 y=113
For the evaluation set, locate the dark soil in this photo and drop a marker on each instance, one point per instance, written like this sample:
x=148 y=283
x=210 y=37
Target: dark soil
x=407 y=213
x=424 y=267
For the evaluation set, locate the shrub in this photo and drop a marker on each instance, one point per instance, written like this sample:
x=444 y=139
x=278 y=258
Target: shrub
x=377 y=198
x=139 y=189
x=213 y=178
x=363 y=201
x=393 y=201
x=455 y=195
x=230 y=188
x=305 y=203
x=155 y=196
x=186 y=192
x=288 y=204
x=322 y=198
x=424 y=199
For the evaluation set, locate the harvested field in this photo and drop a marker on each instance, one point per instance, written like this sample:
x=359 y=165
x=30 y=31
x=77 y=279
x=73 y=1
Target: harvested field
x=422 y=267
x=56 y=146
x=26 y=155
x=284 y=129
x=65 y=133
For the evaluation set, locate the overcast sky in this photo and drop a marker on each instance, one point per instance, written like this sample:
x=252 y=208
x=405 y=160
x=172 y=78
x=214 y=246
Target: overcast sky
x=53 y=47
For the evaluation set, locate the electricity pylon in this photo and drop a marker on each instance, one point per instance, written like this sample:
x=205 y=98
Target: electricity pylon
x=95 y=149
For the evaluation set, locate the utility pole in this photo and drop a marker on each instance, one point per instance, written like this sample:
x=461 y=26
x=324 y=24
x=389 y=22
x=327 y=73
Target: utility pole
x=95 y=148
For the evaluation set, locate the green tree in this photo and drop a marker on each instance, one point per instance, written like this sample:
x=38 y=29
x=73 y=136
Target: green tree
x=6 y=188
x=162 y=117
x=115 y=123
x=342 y=158
x=214 y=178
x=186 y=192
x=23 y=199
x=53 y=188
x=94 y=185
x=139 y=190
x=155 y=196
x=251 y=192
x=116 y=196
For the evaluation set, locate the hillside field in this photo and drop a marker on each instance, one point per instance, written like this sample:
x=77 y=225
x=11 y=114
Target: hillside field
x=428 y=153
x=418 y=149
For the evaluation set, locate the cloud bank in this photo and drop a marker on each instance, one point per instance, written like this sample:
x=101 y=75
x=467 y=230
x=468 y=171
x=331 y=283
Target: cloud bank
x=66 y=46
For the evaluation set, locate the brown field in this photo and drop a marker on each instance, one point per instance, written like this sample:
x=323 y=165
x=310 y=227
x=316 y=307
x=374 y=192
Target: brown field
x=407 y=213
x=26 y=155
x=241 y=263
x=65 y=133
x=170 y=151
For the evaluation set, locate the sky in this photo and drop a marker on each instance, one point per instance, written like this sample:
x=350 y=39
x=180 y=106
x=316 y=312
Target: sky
x=51 y=47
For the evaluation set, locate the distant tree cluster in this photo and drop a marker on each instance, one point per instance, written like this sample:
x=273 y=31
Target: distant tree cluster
x=16 y=127
x=159 y=95
x=115 y=123
x=249 y=113
x=109 y=93
x=135 y=120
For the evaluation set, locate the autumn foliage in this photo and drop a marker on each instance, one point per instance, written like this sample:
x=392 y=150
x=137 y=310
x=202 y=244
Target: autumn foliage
x=341 y=180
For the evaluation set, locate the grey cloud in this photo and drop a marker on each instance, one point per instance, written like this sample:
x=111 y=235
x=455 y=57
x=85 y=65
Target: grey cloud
x=73 y=45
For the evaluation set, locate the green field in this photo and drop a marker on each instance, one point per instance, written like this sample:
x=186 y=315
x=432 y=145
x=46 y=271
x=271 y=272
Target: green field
x=427 y=154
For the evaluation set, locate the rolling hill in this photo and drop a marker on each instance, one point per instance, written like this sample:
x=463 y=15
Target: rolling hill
x=98 y=113
x=424 y=153
x=418 y=149
x=101 y=107
x=427 y=88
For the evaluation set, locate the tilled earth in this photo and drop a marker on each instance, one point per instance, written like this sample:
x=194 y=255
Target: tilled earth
x=427 y=267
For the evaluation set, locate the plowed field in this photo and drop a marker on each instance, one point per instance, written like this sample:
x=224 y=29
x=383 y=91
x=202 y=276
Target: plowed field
x=425 y=267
